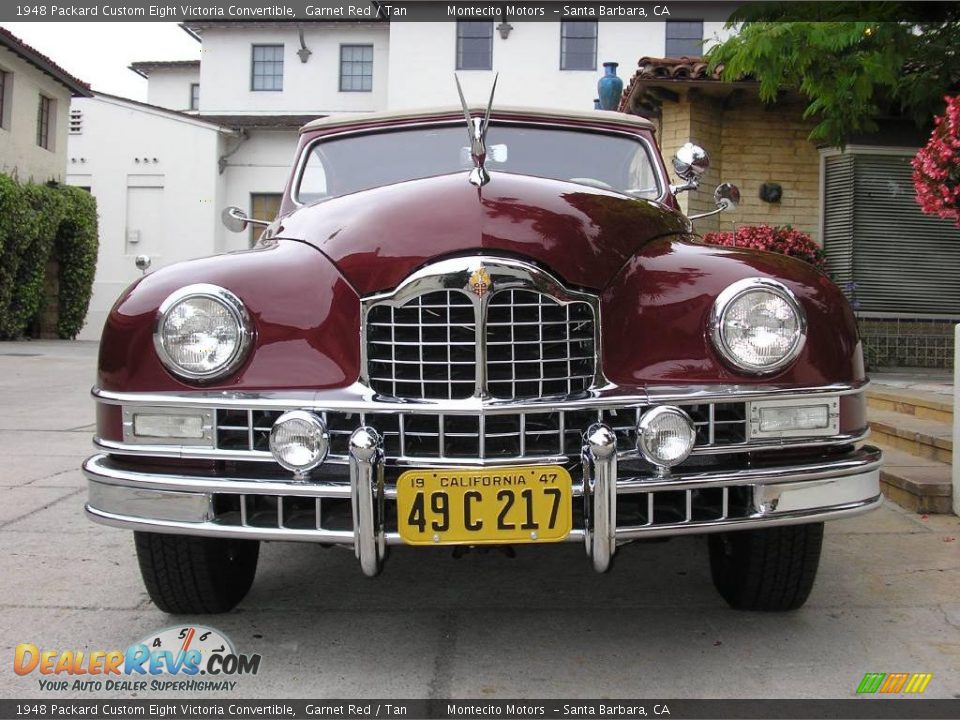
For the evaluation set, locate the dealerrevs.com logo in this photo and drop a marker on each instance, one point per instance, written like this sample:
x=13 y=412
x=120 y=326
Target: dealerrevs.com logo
x=170 y=660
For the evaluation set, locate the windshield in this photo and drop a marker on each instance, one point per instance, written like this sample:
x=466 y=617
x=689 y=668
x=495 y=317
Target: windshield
x=345 y=165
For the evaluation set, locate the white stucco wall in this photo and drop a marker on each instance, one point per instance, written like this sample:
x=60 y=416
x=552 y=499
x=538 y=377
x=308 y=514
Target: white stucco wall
x=158 y=167
x=170 y=87
x=20 y=156
x=423 y=60
x=314 y=86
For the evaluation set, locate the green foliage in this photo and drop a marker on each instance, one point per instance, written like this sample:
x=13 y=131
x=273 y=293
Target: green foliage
x=38 y=222
x=76 y=249
x=850 y=71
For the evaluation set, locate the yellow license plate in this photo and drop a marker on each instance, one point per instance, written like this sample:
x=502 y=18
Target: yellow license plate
x=489 y=505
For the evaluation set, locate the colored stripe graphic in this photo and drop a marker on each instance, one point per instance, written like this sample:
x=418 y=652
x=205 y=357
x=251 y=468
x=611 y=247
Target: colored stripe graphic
x=894 y=683
x=870 y=683
x=918 y=682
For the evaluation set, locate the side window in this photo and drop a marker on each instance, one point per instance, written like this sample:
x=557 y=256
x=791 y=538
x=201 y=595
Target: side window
x=313 y=181
x=45 y=118
x=194 y=96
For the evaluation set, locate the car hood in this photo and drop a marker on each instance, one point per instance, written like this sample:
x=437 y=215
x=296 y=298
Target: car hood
x=378 y=237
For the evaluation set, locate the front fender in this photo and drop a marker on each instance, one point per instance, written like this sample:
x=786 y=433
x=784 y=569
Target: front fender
x=655 y=317
x=305 y=315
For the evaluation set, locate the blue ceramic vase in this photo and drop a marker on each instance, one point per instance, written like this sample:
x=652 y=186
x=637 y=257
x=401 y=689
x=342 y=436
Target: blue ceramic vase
x=610 y=87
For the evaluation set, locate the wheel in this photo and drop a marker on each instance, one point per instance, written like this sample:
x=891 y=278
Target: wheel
x=192 y=575
x=771 y=569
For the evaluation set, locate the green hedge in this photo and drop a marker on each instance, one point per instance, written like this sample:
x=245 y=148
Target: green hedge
x=38 y=222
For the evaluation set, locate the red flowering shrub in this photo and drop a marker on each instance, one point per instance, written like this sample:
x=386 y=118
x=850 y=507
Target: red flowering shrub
x=784 y=240
x=936 y=168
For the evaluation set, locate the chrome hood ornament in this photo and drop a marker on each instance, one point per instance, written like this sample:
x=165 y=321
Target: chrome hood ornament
x=477 y=134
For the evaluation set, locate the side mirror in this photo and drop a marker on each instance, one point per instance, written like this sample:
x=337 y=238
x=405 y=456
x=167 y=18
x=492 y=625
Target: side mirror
x=690 y=162
x=727 y=196
x=234 y=219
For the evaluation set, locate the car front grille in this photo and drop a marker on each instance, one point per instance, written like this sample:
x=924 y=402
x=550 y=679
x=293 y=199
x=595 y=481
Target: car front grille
x=426 y=348
x=520 y=436
x=537 y=346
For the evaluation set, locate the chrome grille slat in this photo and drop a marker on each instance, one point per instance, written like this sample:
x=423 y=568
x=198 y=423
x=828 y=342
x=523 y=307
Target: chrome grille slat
x=523 y=435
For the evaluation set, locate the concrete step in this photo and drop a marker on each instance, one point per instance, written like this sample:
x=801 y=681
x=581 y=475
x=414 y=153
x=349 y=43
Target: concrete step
x=930 y=439
x=910 y=401
x=918 y=484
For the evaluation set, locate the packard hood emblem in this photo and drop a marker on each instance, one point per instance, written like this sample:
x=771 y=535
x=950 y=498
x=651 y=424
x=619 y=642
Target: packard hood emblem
x=480 y=282
x=477 y=135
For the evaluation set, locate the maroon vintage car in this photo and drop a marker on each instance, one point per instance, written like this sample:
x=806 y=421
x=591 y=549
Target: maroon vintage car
x=499 y=332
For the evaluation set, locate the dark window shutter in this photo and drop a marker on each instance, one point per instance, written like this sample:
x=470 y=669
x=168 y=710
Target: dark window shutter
x=902 y=261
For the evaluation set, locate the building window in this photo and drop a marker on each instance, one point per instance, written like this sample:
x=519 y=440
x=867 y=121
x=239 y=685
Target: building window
x=195 y=95
x=578 y=45
x=474 y=45
x=267 y=71
x=76 y=121
x=684 y=39
x=44 y=117
x=356 y=68
x=263 y=206
x=4 y=84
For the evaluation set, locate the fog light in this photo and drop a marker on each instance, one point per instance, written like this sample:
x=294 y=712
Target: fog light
x=784 y=419
x=665 y=436
x=168 y=426
x=794 y=418
x=299 y=441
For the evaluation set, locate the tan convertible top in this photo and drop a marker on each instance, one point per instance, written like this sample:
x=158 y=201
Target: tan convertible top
x=600 y=116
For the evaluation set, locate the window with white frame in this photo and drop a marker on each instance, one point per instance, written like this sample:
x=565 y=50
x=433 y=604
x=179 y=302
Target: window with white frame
x=578 y=45
x=267 y=68
x=356 y=68
x=474 y=45
x=195 y=96
x=684 y=38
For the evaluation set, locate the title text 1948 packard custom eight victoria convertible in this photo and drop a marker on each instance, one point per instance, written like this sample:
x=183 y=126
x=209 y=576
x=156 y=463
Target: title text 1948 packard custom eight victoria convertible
x=509 y=335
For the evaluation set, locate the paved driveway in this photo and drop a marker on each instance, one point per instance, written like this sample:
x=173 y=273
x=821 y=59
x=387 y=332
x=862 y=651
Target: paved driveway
x=541 y=625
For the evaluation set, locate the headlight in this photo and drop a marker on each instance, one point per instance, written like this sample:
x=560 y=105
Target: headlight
x=203 y=332
x=758 y=326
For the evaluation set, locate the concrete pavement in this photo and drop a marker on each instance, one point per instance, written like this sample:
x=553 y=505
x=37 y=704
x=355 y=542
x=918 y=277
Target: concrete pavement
x=887 y=598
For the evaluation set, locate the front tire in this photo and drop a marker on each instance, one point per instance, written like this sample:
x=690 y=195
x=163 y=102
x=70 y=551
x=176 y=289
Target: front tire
x=772 y=569
x=196 y=575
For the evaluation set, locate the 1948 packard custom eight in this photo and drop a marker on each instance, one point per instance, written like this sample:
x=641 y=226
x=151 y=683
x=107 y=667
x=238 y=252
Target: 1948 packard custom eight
x=503 y=339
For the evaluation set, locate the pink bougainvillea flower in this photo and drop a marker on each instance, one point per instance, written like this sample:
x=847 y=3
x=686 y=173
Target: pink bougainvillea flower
x=936 y=168
x=784 y=240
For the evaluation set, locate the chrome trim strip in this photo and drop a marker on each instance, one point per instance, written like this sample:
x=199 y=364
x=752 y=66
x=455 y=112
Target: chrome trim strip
x=100 y=468
x=358 y=398
x=345 y=537
x=191 y=453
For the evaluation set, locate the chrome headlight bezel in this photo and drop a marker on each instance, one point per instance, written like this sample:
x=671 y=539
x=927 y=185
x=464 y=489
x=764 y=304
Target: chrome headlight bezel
x=235 y=309
x=733 y=293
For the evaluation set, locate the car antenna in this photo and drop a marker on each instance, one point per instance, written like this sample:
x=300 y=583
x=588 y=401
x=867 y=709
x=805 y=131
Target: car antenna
x=477 y=134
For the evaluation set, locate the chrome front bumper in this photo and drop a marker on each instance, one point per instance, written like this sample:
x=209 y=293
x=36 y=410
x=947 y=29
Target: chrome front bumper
x=187 y=504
